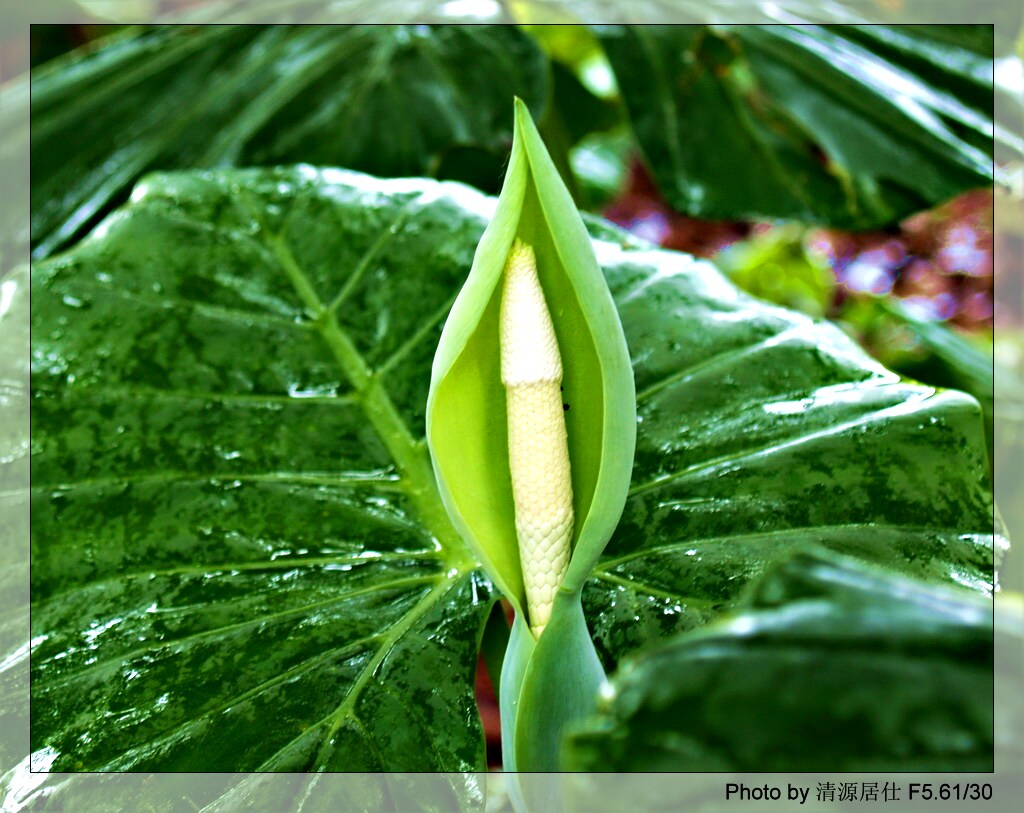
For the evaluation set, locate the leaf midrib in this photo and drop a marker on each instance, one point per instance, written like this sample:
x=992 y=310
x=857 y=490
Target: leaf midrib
x=415 y=472
x=415 y=479
x=346 y=709
x=409 y=454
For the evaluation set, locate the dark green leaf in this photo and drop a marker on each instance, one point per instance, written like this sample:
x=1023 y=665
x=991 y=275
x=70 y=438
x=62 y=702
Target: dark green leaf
x=805 y=122
x=391 y=100
x=581 y=111
x=240 y=561
x=599 y=164
x=761 y=432
x=830 y=666
x=237 y=542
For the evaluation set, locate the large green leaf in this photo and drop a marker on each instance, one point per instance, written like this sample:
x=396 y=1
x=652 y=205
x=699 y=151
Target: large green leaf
x=762 y=432
x=852 y=127
x=831 y=666
x=392 y=100
x=240 y=559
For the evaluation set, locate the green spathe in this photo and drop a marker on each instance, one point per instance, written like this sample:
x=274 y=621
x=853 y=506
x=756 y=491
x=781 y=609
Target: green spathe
x=467 y=429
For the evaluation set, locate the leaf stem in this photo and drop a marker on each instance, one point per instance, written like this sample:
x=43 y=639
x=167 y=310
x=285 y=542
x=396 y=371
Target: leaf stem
x=409 y=454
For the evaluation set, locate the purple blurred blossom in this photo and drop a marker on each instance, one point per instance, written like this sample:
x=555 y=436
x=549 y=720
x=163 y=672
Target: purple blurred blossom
x=649 y=225
x=873 y=270
x=931 y=308
x=961 y=254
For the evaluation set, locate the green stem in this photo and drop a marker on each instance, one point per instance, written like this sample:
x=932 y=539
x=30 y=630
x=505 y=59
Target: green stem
x=410 y=454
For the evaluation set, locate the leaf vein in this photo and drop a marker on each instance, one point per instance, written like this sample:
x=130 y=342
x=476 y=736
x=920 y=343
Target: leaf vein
x=121 y=660
x=368 y=257
x=217 y=567
x=124 y=763
x=425 y=330
x=397 y=632
x=709 y=466
x=643 y=587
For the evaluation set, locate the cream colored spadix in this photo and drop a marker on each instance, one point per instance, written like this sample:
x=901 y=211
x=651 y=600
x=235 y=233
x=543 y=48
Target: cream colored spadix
x=538 y=449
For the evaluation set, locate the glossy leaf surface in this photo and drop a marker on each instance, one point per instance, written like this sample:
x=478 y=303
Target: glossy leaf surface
x=852 y=127
x=830 y=666
x=392 y=100
x=762 y=432
x=238 y=553
x=239 y=558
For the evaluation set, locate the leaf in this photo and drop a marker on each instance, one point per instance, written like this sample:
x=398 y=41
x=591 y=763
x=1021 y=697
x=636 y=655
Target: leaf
x=391 y=100
x=804 y=122
x=954 y=360
x=762 y=432
x=195 y=418
x=829 y=666
x=240 y=562
x=779 y=267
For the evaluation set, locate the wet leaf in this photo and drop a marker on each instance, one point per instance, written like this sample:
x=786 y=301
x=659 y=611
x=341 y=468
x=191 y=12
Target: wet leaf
x=761 y=432
x=387 y=99
x=851 y=127
x=239 y=558
x=240 y=561
x=829 y=666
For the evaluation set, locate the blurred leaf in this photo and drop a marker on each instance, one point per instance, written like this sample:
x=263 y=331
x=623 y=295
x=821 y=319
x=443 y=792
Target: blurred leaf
x=954 y=361
x=829 y=666
x=802 y=122
x=571 y=45
x=599 y=163
x=574 y=115
x=385 y=99
x=778 y=266
x=582 y=111
x=969 y=366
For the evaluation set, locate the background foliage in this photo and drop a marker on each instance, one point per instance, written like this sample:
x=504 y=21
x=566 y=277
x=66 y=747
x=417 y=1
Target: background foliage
x=271 y=96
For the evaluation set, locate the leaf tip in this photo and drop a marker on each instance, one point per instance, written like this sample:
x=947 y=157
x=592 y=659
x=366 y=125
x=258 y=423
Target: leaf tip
x=521 y=110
